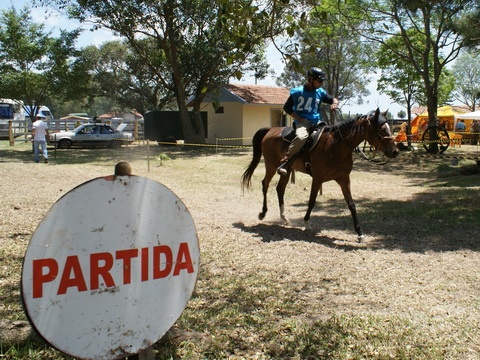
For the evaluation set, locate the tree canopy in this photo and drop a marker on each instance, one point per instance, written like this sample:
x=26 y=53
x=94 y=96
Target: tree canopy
x=322 y=41
x=400 y=80
x=469 y=26
x=120 y=74
x=36 y=66
x=185 y=49
x=389 y=19
x=466 y=71
x=434 y=20
x=190 y=47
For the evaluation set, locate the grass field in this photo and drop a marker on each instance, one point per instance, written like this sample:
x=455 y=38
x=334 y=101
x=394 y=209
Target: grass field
x=265 y=291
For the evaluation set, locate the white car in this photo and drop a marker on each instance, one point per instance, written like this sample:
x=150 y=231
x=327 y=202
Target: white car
x=92 y=135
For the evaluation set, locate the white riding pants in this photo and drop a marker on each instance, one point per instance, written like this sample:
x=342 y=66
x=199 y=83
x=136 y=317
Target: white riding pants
x=301 y=136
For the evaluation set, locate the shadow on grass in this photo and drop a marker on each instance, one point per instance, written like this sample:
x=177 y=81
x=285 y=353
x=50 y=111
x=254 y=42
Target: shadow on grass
x=446 y=217
x=274 y=232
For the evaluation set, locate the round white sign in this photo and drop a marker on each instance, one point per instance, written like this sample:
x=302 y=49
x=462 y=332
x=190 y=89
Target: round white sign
x=110 y=268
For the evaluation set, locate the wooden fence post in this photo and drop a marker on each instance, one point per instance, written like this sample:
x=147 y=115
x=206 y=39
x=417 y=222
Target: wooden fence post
x=25 y=130
x=10 y=133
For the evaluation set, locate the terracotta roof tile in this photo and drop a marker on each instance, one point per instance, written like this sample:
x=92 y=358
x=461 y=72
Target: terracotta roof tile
x=260 y=94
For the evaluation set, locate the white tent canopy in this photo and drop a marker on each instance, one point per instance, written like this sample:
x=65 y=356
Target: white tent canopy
x=467 y=116
x=471 y=116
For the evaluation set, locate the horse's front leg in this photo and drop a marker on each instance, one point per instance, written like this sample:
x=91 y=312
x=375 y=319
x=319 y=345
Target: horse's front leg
x=316 y=186
x=282 y=184
x=265 y=183
x=347 y=194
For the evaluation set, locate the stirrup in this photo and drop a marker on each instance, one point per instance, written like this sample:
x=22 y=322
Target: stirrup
x=281 y=170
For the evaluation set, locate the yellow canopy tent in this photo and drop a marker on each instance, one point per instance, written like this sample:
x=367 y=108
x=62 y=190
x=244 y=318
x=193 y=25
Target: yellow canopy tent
x=445 y=114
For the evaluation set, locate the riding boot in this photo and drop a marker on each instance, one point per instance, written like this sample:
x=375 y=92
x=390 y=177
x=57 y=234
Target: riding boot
x=282 y=170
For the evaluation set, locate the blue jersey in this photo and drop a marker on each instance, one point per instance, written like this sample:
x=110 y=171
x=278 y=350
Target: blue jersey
x=306 y=103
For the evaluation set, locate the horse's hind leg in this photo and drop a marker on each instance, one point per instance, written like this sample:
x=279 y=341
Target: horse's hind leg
x=282 y=184
x=347 y=194
x=265 y=183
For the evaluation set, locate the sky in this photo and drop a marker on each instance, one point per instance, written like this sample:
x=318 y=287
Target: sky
x=54 y=21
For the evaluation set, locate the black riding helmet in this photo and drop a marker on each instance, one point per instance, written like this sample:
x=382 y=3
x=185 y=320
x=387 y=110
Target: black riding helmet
x=316 y=73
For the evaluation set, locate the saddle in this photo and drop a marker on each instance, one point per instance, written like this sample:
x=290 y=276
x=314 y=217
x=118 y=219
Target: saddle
x=288 y=134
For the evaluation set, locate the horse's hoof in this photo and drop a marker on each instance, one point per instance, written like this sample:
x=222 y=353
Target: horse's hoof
x=361 y=238
x=261 y=216
x=308 y=227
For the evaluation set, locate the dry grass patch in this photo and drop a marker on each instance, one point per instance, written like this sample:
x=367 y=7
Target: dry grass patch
x=265 y=291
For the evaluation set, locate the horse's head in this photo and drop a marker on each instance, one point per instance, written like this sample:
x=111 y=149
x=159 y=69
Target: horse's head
x=379 y=134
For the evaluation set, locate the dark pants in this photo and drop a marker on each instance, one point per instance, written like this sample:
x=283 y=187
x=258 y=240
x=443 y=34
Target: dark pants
x=474 y=138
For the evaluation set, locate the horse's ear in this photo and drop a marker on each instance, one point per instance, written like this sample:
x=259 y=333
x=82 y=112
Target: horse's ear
x=376 y=116
x=380 y=118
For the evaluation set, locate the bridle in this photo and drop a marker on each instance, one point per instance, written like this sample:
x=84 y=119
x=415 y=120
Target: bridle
x=358 y=150
x=379 y=135
x=367 y=117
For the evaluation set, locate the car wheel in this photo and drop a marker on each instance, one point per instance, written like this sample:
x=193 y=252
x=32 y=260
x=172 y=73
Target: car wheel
x=64 y=144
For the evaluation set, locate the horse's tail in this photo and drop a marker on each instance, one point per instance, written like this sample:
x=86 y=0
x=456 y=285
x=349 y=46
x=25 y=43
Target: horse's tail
x=257 y=155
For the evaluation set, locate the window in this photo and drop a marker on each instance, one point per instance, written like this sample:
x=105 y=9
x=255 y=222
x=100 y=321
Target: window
x=6 y=111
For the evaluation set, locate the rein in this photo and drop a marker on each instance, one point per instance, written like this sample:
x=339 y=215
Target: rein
x=357 y=150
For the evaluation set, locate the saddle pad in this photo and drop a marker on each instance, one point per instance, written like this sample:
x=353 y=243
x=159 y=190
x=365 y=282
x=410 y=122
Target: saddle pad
x=288 y=134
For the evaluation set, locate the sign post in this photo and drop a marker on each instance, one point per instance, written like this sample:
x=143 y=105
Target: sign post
x=110 y=268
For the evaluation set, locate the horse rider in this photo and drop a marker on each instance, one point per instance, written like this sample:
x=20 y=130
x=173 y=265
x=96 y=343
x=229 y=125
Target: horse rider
x=303 y=106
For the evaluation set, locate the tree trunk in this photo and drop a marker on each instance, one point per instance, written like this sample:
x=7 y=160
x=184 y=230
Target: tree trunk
x=191 y=134
x=432 y=104
x=408 y=130
x=194 y=133
x=192 y=126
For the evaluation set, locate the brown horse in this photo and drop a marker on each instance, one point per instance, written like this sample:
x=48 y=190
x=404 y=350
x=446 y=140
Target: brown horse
x=330 y=159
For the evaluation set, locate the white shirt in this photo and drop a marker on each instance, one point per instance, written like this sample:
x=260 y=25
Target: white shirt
x=40 y=130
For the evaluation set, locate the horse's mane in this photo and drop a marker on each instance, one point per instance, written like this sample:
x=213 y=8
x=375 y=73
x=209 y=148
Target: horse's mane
x=344 y=129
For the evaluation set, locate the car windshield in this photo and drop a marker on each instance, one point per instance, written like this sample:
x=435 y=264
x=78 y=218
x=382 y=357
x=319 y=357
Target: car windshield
x=82 y=129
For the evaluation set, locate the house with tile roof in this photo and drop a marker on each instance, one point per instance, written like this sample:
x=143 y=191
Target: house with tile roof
x=242 y=110
x=129 y=116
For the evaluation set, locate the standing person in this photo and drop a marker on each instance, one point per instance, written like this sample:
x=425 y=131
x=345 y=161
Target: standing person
x=303 y=106
x=40 y=138
x=475 y=130
x=460 y=126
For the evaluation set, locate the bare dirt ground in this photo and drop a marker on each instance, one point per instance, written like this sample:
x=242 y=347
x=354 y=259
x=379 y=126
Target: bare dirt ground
x=420 y=261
